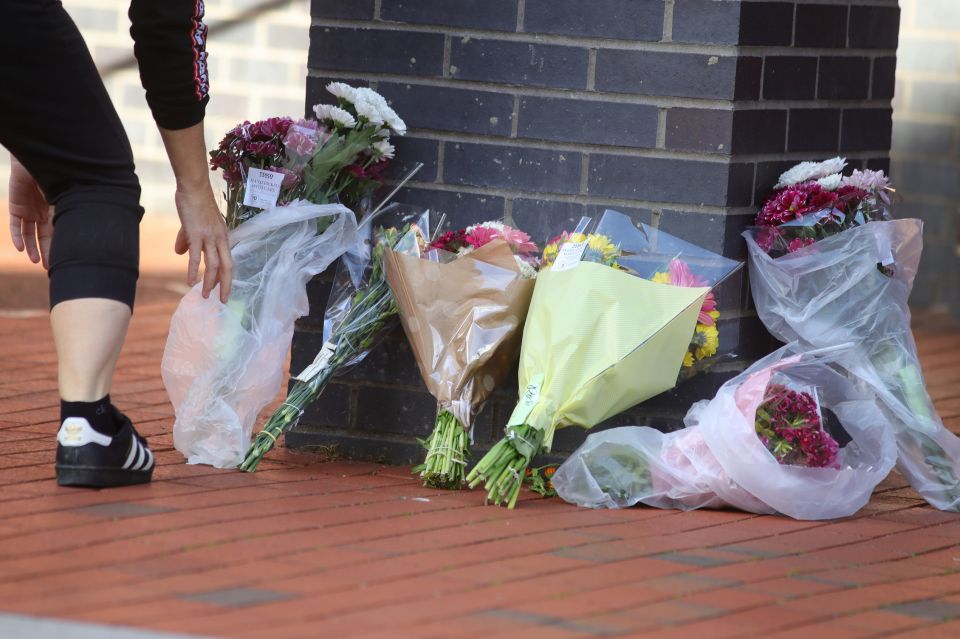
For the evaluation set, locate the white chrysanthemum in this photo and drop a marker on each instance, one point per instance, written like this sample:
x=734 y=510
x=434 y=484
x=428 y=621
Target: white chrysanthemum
x=341 y=118
x=806 y=171
x=831 y=182
x=369 y=112
x=387 y=114
x=343 y=91
x=868 y=180
x=383 y=150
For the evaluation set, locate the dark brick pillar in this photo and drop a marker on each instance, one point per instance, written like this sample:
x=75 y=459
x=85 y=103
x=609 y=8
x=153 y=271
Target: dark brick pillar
x=681 y=113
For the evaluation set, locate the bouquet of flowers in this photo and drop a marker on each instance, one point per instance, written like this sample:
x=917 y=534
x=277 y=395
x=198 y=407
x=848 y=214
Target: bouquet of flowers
x=790 y=426
x=852 y=286
x=462 y=305
x=813 y=201
x=223 y=363
x=359 y=311
x=600 y=337
x=768 y=442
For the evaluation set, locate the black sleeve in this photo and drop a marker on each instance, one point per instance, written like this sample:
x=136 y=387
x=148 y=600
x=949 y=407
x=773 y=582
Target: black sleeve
x=170 y=41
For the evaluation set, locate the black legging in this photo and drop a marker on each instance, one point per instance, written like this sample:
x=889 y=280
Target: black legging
x=57 y=119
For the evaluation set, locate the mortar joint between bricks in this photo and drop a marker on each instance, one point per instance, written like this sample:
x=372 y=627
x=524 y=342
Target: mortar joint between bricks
x=584 y=42
x=447 y=46
x=585 y=174
x=441 y=155
x=668 y=6
x=592 y=69
x=521 y=15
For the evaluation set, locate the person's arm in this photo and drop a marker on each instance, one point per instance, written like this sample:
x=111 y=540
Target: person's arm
x=202 y=229
x=170 y=46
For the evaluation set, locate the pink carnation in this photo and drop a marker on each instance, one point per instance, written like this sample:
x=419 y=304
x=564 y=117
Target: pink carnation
x=681 y=275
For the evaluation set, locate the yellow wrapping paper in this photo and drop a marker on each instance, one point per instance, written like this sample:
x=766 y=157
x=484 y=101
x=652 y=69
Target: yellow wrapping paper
x=602 y=340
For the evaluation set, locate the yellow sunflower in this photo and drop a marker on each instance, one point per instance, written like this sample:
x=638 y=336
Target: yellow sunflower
x=707 y=340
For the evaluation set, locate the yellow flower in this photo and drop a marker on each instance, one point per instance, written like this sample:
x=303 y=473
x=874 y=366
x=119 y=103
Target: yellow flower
x=687 y=359
x=661 y=277
x=707 y=341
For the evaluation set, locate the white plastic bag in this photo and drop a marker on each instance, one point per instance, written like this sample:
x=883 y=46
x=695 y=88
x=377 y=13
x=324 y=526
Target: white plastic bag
x=719 y=461
x=854 y=287
x=224 y=362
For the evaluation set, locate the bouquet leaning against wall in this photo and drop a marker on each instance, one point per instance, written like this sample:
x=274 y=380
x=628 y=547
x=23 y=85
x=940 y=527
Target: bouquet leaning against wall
x=606 y=330
x=286 y=185
x=828 y=265
x=462 y=305
x=359 y=311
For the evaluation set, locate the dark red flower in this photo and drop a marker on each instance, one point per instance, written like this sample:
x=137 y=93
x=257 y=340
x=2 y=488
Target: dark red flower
x=793 y=202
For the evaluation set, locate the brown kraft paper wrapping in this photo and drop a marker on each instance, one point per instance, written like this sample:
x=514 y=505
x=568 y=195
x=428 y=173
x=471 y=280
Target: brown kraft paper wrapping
x=464 y=320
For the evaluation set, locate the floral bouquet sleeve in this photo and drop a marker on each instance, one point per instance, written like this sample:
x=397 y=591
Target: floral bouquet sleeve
x=602 y=334
x=798 y=433
x=852 y=285
x=359 y=311
x=287 y=184
x=462 y=305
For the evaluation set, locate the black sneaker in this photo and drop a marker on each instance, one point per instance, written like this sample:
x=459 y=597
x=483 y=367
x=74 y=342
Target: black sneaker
x=88 y=458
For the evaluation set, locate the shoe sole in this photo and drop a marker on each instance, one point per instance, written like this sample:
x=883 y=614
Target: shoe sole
x=99 y=477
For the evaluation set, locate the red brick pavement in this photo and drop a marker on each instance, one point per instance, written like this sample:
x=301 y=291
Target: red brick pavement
x=352 y=550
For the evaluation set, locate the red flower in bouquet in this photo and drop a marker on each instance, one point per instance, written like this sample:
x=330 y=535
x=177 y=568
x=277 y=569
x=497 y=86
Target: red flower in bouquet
x=798 y=243
x=793 y=202
x=788 y=422
x=451 y=241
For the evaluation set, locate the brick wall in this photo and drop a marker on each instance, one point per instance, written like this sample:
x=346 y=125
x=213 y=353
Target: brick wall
x=926 y=142
x=680 y=113
x=257 y=69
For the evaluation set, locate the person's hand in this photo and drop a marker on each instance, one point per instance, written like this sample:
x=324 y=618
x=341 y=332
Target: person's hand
x=203 y=232
x=31 y=218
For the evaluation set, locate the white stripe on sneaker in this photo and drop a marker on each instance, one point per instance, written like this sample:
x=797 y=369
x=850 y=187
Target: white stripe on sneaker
x=134 y=453
x=148 y=463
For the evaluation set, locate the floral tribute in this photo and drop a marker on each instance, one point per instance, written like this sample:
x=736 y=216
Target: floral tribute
x=813 y=200
x=464 y=329
x=339 y=156
x=788 y=423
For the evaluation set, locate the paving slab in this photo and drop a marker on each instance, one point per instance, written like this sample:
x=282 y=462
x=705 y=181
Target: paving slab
x=313 y=547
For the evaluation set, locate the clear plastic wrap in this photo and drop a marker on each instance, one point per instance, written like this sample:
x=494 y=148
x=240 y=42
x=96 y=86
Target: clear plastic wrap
x=224 y=362
x=603 y=333
x=854 y=287
x=721 y=459
x=360 y=309
x=595 y=357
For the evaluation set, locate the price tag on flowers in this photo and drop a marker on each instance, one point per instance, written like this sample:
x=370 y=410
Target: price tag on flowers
x=263 y=188
x=569 y=255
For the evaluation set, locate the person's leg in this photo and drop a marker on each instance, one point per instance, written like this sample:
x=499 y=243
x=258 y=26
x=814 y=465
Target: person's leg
x=57 y=119
x=89 y=334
